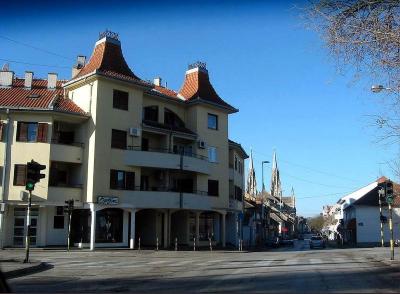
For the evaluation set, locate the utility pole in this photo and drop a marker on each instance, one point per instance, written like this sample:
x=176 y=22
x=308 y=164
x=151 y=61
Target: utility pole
x=381 y=192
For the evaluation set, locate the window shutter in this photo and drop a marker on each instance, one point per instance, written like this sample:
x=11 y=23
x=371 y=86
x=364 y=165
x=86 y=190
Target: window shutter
x=19 y=174
x=22 y=131
x=1 y=131
x=130 y=181
x=42 y=132
x=113 y=179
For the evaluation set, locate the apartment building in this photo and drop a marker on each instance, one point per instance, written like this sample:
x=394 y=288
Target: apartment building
x=141 y=161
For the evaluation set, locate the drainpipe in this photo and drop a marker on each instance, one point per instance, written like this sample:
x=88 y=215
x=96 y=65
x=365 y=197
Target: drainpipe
x=3 y=179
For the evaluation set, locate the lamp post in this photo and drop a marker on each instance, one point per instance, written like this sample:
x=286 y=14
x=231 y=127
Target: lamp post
x=262 y=174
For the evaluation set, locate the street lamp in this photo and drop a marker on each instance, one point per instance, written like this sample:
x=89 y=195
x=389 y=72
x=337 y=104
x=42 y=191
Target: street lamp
x=262 y=174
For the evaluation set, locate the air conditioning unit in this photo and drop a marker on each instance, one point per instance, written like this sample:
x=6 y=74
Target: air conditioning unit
x=134 y=132
x=202 y=144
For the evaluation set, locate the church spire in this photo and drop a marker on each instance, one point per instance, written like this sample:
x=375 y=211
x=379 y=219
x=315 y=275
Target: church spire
x=276 y=189
x=251 y=178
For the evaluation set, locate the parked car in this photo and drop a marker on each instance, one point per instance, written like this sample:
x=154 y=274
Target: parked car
x=300 y=237
x=317 y=241
x=273 y=242
x=286 y=242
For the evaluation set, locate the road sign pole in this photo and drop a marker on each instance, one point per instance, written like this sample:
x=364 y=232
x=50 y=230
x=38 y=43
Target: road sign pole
x=391 y=232
x=28 y=228
x=69 y=229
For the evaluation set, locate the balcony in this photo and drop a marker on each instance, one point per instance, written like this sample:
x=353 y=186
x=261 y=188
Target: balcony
x=59 y=194
x=72 y=152
x=162 y=158
x=166 y=199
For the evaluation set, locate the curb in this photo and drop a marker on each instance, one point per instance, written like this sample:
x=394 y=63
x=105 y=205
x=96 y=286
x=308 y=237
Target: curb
x=27 y=271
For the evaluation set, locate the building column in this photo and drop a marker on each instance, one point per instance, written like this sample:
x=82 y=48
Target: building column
x=223 y=230
x=166 y=234
x=133 y=229
x=197 y=224
x=92 y=226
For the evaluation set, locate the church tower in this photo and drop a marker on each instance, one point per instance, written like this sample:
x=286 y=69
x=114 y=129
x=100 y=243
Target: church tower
x=251 y=188
x=276 y=189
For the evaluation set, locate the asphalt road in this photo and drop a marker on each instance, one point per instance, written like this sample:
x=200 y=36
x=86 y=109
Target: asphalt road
x=288 y=270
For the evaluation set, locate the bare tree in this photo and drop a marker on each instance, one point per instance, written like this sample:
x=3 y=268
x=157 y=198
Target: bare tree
x=364 y=36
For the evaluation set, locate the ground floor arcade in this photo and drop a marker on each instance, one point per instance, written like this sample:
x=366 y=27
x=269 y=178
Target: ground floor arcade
x=98 y=226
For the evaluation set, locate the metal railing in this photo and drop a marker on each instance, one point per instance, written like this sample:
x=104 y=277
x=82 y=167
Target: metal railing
x=63 y=185
x=168 y=151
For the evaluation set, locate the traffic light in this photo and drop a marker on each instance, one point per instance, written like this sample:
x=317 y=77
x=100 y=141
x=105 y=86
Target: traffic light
x=389 y=192
x=69 y=207
x=33 y=174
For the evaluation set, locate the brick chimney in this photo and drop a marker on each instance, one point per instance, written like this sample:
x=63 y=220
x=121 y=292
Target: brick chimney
x=6 y=78
x=157 y=81
x=28 y=80
x=51 y=81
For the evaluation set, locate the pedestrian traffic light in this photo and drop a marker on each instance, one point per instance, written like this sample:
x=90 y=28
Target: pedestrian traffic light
x=33 y=174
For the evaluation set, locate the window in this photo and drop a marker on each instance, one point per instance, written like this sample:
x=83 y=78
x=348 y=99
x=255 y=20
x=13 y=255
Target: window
x=212 y=121
x=118 y=139
x=32 y=132
x=236 y=163
x=59 y=218
x=150 y=113
x=120 y=99
x=238 y=193
x=19 y=174
x=213 y=188
x=2 y=128
x=212 y=154
x=1 y=175
x=172 y=119
x=122 y=180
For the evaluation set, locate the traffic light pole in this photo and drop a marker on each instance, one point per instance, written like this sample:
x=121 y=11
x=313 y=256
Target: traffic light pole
x=69 y=229
x=28 y=228
x=391 y=233
x=381 y=216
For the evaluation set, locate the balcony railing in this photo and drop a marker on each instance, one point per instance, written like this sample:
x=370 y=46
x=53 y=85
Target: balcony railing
x=60 y=142
x=63 y=185
x=168 y=151
x=163 y=189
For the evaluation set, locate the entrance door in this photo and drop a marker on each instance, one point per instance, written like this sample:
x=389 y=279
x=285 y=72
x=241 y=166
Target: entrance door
x=20 y=225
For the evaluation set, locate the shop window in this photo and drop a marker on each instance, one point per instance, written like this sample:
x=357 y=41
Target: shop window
x=120 y=99
x=109 y=225
x=59 y=218
x=118 y=139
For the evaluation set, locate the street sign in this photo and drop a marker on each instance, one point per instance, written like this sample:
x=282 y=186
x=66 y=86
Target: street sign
x=107 y=200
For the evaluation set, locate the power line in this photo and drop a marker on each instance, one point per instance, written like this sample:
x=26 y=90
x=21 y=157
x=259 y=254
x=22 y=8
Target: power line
x=34 y=47
x=312 y=182
x=34 y=64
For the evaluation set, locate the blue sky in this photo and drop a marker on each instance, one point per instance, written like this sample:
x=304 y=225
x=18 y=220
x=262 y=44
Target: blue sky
x=261 y=59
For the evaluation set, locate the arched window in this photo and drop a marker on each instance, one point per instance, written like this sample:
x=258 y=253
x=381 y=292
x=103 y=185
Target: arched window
x=172 y=119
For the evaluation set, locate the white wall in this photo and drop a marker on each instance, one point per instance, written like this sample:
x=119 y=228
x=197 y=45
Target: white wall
x=369 y=231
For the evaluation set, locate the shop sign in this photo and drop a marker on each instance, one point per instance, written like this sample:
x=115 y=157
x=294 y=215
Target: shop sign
x=107 y=200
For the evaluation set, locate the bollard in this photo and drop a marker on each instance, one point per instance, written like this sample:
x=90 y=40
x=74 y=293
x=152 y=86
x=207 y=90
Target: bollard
x=157 y=244
x=139 y=244
x=194 y=244
x=210 y=244
x=176 y=244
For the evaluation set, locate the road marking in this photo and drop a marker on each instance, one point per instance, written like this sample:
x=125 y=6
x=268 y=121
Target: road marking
x=263 y=263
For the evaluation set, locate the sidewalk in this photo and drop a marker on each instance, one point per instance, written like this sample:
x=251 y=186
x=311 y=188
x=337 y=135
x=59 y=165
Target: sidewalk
x=14 y=268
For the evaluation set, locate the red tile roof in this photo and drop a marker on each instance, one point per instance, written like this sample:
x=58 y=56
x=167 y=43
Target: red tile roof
x=166 y=91
x=197 y=85
x=107 y=59
x=38 y=97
